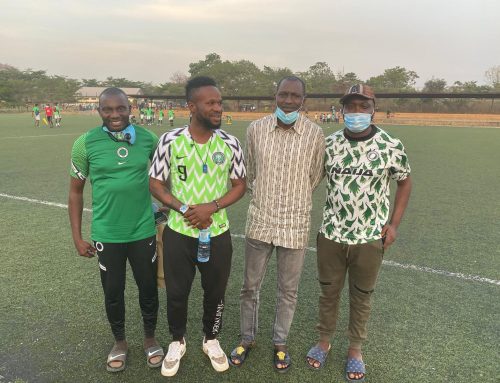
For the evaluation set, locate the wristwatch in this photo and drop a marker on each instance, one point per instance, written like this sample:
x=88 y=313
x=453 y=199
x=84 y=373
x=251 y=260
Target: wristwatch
x=183 y=209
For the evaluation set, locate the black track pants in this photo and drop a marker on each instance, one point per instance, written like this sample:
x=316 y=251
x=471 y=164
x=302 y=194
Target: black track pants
x=143 y=261
x=179 y=264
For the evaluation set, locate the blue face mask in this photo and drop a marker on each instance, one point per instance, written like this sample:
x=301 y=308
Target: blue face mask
x=125 y=135
x=286 y=118
x=357 y=122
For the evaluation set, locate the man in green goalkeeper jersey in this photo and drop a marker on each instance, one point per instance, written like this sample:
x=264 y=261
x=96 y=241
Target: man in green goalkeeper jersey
x=142 y=113
x=161 y=113
x=115 y=158
x=149 y=116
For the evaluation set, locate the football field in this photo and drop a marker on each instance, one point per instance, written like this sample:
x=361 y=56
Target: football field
x=436 y=311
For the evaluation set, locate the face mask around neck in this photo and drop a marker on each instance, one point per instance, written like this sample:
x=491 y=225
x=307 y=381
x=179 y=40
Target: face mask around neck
x=287 y=118
x=125 y=135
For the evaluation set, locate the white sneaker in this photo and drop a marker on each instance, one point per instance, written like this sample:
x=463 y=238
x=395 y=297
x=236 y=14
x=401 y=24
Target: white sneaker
x=216 y=354
x=172 y=361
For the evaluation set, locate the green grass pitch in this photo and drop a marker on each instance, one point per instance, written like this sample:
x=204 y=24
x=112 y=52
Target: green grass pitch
x=425 y=326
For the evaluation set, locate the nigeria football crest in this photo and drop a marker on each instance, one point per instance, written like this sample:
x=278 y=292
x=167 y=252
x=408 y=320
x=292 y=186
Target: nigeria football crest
x=218 y=158
x=372 y=155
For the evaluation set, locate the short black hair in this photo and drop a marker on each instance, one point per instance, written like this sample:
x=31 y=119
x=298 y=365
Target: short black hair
x=113 y=91
x=292 y=78
x=196 y=83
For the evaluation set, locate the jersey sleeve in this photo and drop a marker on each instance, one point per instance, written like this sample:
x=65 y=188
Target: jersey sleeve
x=250 y=161
x=155 y=144
x=400 y=166
x=160 y=165
x=79 y=159
x=238 y=168
x=317 y=164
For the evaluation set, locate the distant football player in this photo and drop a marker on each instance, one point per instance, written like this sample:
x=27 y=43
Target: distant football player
x=35 y=113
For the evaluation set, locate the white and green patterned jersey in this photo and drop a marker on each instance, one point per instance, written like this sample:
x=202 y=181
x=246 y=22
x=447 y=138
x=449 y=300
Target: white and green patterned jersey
x=358 y=174
x=182 y=160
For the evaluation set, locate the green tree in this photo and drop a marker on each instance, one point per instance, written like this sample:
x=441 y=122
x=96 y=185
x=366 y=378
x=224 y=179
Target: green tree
x=271 y=77
x=319 y=78
x=122 y=83
x=203 y=66
x=462 y=104
x=344 y=81
x=175 y=86
x=241 y=77
x=435 y=85
x=397 y=79
x=234 y=78
x=469 y=87
x=21 y=87
x=91 y=82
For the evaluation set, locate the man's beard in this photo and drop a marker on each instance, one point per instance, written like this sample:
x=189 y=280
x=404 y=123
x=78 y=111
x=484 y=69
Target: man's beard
x=208 y=124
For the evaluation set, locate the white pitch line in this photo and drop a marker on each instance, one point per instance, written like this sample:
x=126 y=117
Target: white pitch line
x=42 y=135
x=424 y=269
x=38 y=201
x=445 y=273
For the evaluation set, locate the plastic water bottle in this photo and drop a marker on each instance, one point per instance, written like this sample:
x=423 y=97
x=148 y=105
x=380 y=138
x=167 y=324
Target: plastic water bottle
x=160 y=217
x=204 y=245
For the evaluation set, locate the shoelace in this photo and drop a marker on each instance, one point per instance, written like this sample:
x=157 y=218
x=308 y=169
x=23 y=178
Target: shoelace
x=214 y=348
x=174 y=351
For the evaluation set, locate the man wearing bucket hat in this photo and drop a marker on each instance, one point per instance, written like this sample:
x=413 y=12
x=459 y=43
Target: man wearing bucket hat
x=357 y=228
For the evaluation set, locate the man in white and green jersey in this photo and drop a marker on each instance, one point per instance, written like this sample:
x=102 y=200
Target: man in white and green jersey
x=360 y=161
x=57 y=115
x=171 y=116
x=198 y=161
x=115 y=157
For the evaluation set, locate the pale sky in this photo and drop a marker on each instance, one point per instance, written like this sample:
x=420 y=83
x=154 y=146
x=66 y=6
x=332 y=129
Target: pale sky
x=149 y=40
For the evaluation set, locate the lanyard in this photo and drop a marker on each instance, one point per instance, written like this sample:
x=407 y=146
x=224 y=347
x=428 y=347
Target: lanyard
x=205 y=167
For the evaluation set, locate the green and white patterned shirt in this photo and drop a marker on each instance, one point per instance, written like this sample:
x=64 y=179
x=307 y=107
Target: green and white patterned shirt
x=182 y=160
x=358 y=174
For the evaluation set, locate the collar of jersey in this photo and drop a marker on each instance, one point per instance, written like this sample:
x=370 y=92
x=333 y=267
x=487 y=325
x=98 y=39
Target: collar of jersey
x=188 y=135
x=129 y=129
x=360 y=139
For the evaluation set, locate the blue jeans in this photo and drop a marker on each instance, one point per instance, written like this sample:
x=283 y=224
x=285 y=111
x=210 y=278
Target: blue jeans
x=290 y=263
